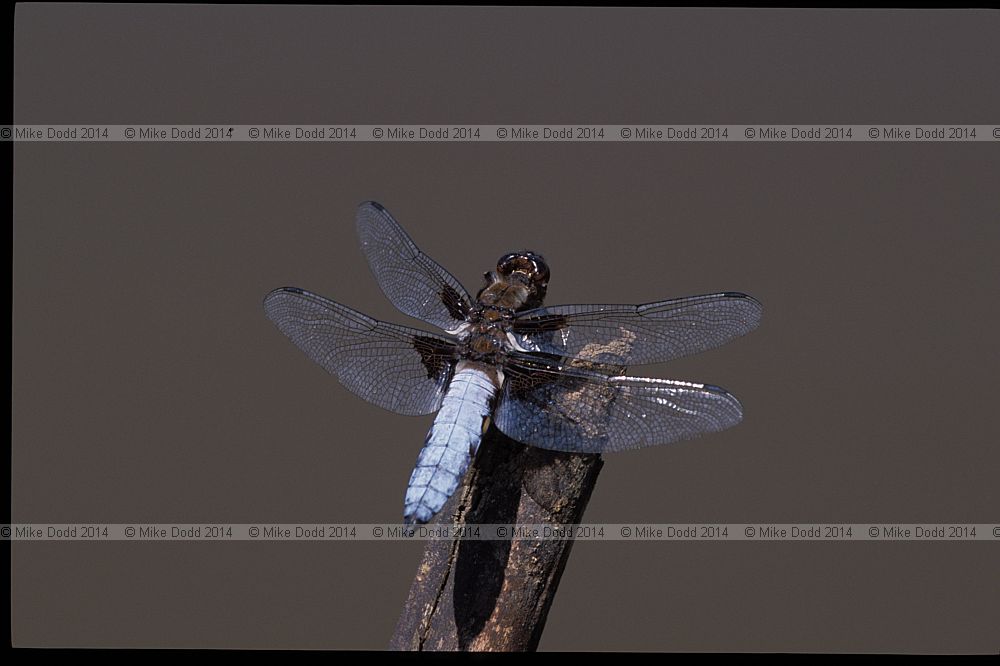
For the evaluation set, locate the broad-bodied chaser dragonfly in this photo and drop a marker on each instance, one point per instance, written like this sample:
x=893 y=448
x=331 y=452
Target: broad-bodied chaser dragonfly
x=551 y=377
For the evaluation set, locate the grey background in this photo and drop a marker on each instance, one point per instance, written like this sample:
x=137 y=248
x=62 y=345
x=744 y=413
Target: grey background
x=148 y=386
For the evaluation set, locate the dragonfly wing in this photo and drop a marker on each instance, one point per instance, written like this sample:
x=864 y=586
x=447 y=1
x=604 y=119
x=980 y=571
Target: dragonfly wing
x=638 y=334
x=398 y=368
x=416 y=284
x=552 y=405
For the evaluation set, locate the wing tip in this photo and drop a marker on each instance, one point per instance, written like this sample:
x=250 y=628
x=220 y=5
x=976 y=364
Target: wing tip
x=733 y=401
x=284 y=290
x=370 y=219
x=753 y=314
x=372 y=203
x=273 y=301
x=744 y=297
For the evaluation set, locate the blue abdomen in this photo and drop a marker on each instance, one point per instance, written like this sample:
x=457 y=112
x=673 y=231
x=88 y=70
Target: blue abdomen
x=450 y=444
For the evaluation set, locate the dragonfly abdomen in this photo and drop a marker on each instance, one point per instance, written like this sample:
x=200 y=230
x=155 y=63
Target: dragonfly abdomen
x=450 y=444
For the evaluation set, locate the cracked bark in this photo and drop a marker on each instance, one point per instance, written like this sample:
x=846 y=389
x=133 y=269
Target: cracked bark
x=495 y=595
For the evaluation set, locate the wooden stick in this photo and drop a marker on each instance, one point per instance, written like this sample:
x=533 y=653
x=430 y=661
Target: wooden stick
x=473 y=595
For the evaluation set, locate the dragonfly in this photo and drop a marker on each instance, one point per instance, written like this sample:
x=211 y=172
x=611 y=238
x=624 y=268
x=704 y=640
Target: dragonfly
x=552 y=377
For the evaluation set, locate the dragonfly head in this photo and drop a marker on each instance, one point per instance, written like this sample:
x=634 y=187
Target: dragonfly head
x=528 y=268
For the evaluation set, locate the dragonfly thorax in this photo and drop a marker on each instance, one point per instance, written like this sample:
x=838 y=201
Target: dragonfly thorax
x=485 y=337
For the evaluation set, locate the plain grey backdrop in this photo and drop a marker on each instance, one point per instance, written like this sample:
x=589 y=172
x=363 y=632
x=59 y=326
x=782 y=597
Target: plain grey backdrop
x=150 y=388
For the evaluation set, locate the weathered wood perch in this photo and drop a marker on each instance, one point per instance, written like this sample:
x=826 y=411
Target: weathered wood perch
x=495 y=595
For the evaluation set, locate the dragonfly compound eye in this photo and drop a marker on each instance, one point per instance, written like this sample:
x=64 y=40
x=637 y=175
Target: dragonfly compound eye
x=531 y=264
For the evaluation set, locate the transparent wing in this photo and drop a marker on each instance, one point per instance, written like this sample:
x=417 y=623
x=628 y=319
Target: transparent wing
x=416 y=284
x=638 y=334
x=398 y=368
x=554 y=406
